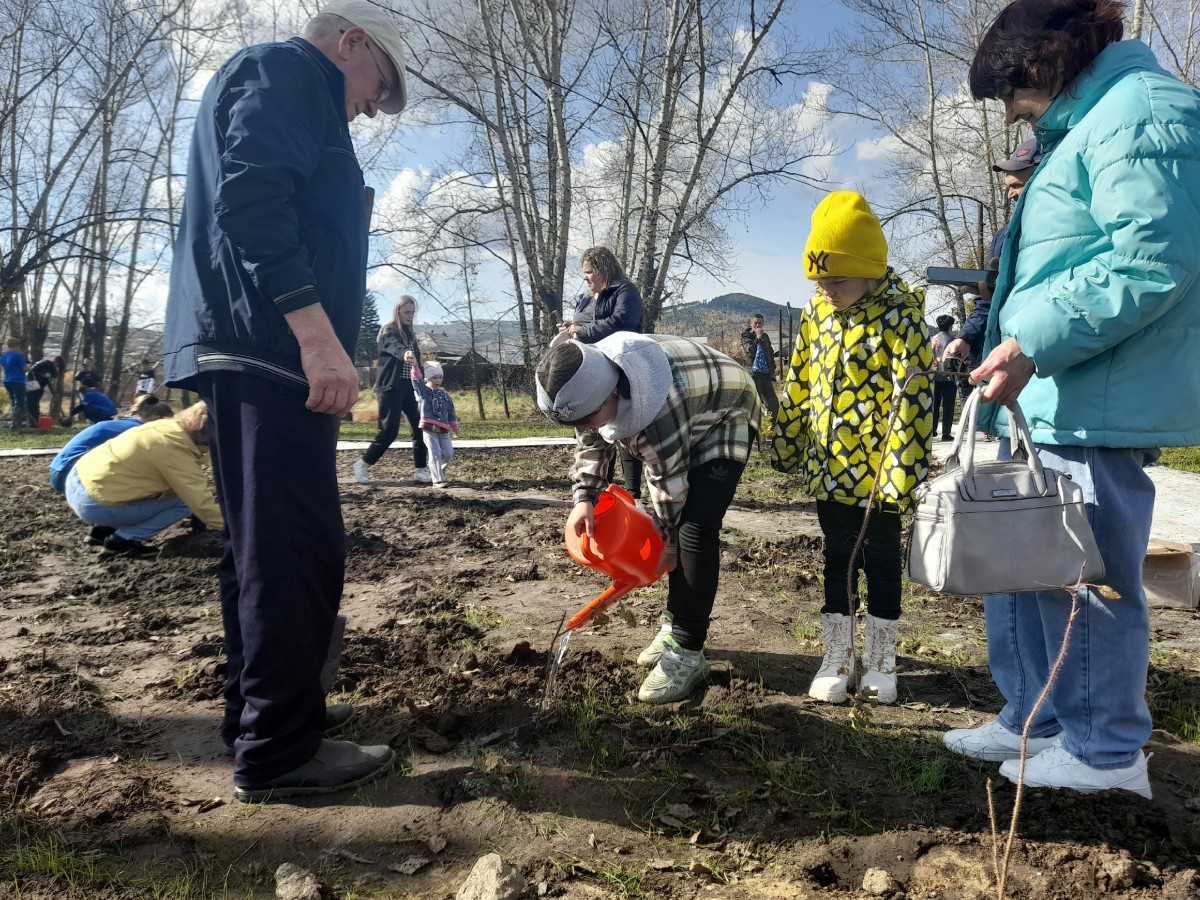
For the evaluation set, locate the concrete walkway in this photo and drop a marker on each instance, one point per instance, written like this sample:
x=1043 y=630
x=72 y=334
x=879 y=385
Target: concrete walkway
x=1176 y=506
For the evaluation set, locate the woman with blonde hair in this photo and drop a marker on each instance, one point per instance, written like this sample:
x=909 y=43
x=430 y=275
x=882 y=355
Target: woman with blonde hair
x=395 y=394
x=144 y=480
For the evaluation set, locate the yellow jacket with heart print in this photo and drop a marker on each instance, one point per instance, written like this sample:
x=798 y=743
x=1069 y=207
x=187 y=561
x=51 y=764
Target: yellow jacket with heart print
x=847 y=370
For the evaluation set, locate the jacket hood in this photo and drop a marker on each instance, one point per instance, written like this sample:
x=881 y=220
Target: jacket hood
x=646 y=366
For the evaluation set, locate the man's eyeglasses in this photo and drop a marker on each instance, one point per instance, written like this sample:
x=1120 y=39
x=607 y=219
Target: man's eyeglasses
x=385 y=87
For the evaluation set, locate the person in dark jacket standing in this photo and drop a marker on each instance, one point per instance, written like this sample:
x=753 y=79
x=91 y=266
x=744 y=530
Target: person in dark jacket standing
x=264 y=308
x=44 y=372
x=395 y=393
x=611 y=303
x=760 y=360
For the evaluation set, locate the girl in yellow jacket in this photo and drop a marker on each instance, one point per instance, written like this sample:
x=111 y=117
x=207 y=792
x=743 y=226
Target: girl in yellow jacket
x=143 y=481
x=858 y=340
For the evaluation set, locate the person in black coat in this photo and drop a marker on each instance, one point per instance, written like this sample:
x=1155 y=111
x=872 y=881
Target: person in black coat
x=395 y=393
x=760 y=360
x=611 y=303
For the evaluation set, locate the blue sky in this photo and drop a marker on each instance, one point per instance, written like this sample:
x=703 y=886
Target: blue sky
x=769 y=240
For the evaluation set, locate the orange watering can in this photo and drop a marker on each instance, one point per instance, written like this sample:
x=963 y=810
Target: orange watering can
x=624 y=545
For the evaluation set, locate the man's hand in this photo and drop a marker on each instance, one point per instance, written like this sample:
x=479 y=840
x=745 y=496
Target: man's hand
x=957 y=348
x=332 y=378
x=1007 y=370
x=582 y=519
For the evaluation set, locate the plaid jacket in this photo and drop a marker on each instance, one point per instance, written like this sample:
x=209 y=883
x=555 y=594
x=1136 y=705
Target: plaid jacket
x=708 y=414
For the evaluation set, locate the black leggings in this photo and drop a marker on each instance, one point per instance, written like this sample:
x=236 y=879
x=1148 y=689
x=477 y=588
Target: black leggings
x=879 y=558
x=692 y=586
x=399 y=400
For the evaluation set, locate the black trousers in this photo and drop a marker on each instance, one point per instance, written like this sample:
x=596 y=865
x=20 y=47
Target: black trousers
x=692 y=586
x=33 y=402
x=282 y=567
x=766 y=391
x=398 y=401
x=943 y=401
x=879 y=558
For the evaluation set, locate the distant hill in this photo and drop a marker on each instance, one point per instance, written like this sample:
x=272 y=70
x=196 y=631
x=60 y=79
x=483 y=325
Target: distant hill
x=723 y=313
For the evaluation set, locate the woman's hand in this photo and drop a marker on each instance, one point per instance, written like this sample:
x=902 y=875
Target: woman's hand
x=582 y=519
x=1007 y=370
x=410 y=357
x=669 y=559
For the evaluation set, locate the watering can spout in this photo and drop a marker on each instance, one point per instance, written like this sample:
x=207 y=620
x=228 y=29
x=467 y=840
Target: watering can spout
x=625 y=545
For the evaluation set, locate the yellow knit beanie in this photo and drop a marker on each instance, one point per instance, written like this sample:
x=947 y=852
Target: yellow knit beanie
x=846 y=240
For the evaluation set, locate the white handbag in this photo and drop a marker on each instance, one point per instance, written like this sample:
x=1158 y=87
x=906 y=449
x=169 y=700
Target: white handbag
x=1003 y=526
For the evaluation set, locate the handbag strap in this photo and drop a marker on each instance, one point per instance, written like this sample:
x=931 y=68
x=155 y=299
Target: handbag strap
x=1021 y=439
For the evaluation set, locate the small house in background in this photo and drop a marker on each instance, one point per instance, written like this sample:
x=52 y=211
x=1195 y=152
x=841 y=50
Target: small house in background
x=495 y=351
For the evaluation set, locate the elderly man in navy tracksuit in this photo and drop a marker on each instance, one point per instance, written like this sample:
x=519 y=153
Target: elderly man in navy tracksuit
x=267 y=288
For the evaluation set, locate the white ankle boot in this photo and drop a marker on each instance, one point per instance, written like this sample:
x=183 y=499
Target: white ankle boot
x=836 y=675
x=879 y=659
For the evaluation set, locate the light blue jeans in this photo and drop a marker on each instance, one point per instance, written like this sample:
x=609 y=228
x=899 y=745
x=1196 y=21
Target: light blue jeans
x=136 y=521
x=1098 y=702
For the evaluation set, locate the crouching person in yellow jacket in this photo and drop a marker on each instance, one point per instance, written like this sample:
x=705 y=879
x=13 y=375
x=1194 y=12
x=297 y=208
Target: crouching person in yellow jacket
x=859 y=339
x=143 y=481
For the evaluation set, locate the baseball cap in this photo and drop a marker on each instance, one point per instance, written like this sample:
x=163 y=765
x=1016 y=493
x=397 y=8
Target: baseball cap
x=1024 y=157
x=380 y=26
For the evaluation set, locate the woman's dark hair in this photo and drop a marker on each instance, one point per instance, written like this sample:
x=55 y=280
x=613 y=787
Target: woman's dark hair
x=558 y=366
x=1042 y=45
x=945 y=322
x=604 y=262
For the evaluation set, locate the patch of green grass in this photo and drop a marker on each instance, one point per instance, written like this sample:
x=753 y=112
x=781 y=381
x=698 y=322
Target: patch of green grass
x=588 y=714
x=79 y=871
x=482 y=619
x=1186 y=459
x=1174 y=698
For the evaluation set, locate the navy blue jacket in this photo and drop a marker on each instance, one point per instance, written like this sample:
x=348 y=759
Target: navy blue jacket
x=274 y=218
x=618 y=308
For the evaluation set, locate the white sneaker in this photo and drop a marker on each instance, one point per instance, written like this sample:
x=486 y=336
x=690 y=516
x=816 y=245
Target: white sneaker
x=676 y=675
x=441 y=484
x=836 y=676
x=422 y=476
x=1056 y=768
x=360 y=472
x=993 y=742
x=651 y=655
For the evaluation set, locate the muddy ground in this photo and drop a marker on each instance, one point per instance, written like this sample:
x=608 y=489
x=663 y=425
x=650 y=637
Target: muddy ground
x=114 y=782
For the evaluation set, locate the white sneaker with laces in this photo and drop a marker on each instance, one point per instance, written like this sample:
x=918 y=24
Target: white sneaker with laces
x=676 y=675
x=992 y=742
x=360 y=472
x=1056 y=768
x=422 y=476
x=651 y=655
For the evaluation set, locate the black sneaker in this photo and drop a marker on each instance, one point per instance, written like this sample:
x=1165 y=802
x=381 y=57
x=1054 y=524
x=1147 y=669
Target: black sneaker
x=115 y=545
x=98 y=533
x=195 y=523
x=336 y=766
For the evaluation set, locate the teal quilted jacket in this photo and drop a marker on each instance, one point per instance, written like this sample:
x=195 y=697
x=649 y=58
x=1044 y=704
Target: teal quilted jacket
x=1098 y=277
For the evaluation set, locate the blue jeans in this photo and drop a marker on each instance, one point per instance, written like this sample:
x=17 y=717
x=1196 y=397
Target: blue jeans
x=139 y=520
x=16 y=398
x=1098 y=701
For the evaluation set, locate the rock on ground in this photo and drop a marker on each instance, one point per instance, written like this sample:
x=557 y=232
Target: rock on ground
x=295 y=883
x=492 y=879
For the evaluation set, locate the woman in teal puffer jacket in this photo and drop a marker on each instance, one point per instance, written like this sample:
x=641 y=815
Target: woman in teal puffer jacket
x=1096 y=308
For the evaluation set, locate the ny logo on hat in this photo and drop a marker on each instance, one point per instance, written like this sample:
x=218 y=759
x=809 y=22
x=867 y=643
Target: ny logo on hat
x=818 y=262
